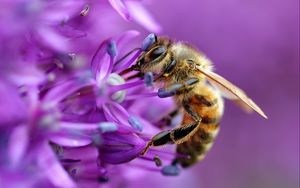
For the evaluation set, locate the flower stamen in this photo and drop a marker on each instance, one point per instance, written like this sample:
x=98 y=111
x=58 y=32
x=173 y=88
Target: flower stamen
x=119 y=85
x=107 y=127
x=148 y=79
x=148 y=41
x=170 y=170
x=112 y=49
x=135 y=123
x=157 y=161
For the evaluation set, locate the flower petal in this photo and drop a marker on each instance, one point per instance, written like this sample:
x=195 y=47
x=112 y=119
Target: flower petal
x=115 y=112
x=121 y=8
x=18 y=143
x=126 y=37
x=152 y=114
x=13 y=108
x=52 y=168
x=87 y=128
x=101 y=62
x=142 y=16
x=84 y=153
x=27 y=75
x=71 y=32
x=120 y=148
x=71 y=139
x=52 y=39
x=58 y=11
x=61 y=91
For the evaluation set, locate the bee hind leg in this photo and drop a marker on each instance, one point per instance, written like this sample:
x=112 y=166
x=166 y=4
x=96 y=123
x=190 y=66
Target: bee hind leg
x=177 y=135
x=183 y=133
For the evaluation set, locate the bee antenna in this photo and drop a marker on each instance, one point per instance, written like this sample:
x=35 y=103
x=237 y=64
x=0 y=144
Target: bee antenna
x=126 y=55
x=126 y=71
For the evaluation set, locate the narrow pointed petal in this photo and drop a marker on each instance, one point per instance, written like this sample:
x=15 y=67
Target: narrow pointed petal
x=142 y=16
x=18 y=143
x=58 y=11
x=53 y=169
x=121 y=8
x=28 y=75
x=13 y=108
x=117 y=113
x=101 y=62
x=126 y=37
x=71 y=32
x=52 y=39
x=71 y=139
x=120 y=148
x=61 y=91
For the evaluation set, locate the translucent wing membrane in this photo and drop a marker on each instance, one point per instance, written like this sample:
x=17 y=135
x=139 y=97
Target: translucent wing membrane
x=232 y=91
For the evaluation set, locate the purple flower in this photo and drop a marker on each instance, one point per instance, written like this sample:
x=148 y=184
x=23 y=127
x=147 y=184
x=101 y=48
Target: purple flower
x=69 y=117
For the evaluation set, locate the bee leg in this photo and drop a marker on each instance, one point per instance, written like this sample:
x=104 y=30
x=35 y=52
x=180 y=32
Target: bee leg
x=161 y=138
x=183 y=133
x=177 y=88
x=177 y=135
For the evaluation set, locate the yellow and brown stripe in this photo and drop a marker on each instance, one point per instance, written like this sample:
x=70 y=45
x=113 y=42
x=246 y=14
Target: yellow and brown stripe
x=209 y=106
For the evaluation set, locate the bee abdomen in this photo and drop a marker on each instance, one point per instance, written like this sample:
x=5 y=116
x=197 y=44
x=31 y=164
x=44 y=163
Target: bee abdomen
x=205 y=100
x=210 y=108
x=196 y=148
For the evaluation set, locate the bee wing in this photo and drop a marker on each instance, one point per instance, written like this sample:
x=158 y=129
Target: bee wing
x=229 y=95
x=231 y=91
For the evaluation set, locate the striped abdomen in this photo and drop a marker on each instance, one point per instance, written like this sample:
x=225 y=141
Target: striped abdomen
x=208 y=104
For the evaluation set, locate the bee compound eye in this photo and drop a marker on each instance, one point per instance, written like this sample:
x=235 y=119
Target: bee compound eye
x=157 y=52
x=140 y=61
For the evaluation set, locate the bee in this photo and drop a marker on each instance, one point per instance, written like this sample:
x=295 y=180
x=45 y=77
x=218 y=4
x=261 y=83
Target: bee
x=187 y=76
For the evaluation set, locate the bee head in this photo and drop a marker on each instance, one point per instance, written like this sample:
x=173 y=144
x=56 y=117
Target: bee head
x=155 y=53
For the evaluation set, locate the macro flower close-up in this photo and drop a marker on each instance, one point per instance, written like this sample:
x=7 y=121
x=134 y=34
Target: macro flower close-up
x=129 y=93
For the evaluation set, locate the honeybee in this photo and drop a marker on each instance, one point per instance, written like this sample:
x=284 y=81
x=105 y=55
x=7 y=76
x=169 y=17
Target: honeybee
x=187 y=76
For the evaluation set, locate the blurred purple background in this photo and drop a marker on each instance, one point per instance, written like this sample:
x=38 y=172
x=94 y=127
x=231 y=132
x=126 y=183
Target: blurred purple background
x=254 y=44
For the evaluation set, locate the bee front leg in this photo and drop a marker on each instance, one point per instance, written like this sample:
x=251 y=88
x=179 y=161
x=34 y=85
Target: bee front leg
x=177 y=135
x=177 y=88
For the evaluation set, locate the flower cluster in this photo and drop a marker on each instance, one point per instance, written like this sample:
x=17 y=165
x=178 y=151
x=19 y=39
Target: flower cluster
x=68 y=116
